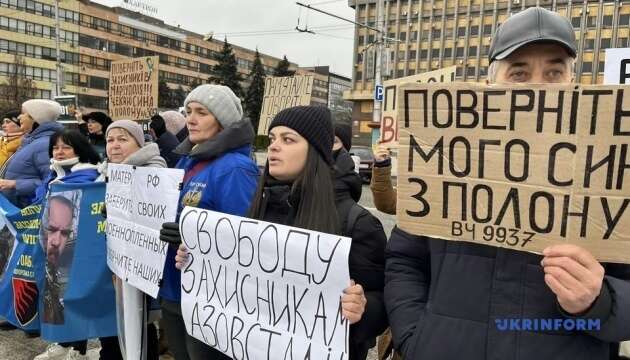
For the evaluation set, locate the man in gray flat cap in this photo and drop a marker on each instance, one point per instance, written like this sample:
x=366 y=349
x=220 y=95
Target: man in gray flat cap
x=459 y=300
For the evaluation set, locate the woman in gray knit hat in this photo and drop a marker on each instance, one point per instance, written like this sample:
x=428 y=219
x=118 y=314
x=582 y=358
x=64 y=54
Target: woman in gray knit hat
x=219 y=176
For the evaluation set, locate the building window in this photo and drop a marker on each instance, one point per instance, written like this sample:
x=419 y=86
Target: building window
x=622 y=42
x=472 y=51
x=487 y=29
x=448 y=52
x=413 y=36
x=470 y=71
x=423 y=54
x=605 y=43
x=576 y=22
x=608 y=20
x=435 y=53
x=436 y=33
x=474 y=30
x=402 y=36
x=624 y=19
x=370 y=39
x=483 y=71
x=361 y=39
x=400 y=73
x=461 y=31
x=589 y=44
x=412 y=55
x=587 y=67
x=459 y=52
x=600 y=67
x=411 y=72
x=591 y=21
x=359 y=75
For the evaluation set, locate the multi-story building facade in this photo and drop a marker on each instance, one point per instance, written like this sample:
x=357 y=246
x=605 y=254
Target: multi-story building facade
x=440 y=33
x=92 y=36
x=328 y=88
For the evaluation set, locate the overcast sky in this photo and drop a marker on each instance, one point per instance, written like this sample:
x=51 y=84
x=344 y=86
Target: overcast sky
x=331 y=45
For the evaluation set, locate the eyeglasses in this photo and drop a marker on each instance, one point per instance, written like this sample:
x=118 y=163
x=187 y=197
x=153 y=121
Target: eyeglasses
x=64 y=232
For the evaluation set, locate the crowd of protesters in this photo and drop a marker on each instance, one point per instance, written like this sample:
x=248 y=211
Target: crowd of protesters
x=428 y=298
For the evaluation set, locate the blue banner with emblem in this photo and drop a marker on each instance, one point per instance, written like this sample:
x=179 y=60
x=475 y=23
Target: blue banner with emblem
x=55 y=278
x=21 y=264
x=78 y=299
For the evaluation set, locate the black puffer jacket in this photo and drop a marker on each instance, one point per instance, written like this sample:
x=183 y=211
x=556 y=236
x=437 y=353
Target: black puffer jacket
x=443 y=298
x=346 y=180
x=366 y=259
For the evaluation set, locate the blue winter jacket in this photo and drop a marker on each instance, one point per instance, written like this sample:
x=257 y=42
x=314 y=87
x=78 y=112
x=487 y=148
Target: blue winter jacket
x=226 y=184
x=80 y=176
x=30 y=164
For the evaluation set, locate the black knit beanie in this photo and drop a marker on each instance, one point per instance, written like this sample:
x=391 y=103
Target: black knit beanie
x=344 y=133
x=313 y=123
x=99 y=117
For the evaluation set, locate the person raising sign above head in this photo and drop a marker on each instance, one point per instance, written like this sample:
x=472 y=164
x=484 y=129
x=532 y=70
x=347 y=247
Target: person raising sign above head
x=296 y=189
x=445 y=298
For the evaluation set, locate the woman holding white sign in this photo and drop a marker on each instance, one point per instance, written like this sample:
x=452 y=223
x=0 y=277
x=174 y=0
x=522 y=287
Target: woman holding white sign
x=297 y=189
x=219 y=175
x=125 y=145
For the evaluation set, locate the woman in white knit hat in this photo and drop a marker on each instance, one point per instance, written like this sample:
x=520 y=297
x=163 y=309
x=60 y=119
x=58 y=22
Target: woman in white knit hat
x=30 y=164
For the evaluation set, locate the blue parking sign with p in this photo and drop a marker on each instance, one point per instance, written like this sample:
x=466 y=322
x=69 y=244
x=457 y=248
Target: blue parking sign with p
x=378 y=93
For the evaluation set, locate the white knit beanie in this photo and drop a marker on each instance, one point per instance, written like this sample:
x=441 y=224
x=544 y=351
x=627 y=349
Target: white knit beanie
x=42 y=110
x=174 y=121
x=220 y=101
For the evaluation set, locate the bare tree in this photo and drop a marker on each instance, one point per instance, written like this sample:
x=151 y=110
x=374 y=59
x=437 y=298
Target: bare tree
x=17 y=88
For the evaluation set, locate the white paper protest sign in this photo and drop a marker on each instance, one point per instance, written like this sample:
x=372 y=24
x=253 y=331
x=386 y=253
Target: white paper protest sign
x=617 y=66
x=258 y=290
x=138 y=201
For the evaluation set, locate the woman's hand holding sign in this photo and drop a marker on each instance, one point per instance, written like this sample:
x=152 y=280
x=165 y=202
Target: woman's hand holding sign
x=574 y=275
x=353 y=302
x=181 y=258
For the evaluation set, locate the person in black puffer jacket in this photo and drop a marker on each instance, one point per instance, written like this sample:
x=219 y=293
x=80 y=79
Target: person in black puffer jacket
x=299 y=161
x=449 y=299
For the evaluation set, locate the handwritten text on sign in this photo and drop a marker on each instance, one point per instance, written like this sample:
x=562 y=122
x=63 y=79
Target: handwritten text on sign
x=257 y=290
x=389 y=119
x=133 y=88
x=282 y=93
x=138 y=201
x=522 y=167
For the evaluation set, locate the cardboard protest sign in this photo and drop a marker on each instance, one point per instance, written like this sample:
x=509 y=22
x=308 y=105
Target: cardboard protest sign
x=389 y=123
x=139 y=200
x=258 y=290
x=133 y=88
x=617 y=66
x=77 y=300
x=282 y=93
x=517 y=167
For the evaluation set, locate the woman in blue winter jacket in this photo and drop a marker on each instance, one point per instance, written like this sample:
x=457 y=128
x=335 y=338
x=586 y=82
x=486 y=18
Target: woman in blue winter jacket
x=219 y=176
x=29 y=166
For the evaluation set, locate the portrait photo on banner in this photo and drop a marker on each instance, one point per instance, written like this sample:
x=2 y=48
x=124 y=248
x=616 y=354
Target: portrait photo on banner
x=58 y=233
x=7 y=246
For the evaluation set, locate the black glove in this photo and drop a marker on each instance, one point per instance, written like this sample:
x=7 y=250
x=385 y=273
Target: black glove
x=158 y=125
x=104 y=212
x=170 y=233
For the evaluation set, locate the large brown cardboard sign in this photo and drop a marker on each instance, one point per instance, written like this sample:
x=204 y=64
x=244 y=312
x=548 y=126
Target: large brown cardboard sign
x=282 y=93
x=517 y=167
x=133 y=88
x=389 y=122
